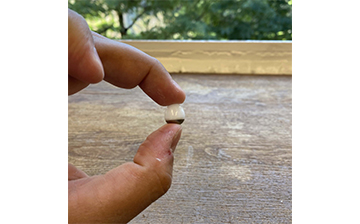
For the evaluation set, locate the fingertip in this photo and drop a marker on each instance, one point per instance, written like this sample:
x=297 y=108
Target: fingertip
x=161 y=87
x=176 y=138
x=92 y=67
x=180 y=93
x=100 y=73
x=169 y=133
x=159 y=146
x=84 y=62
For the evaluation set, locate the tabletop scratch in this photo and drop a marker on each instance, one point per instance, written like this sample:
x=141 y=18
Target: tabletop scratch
x=189 y=156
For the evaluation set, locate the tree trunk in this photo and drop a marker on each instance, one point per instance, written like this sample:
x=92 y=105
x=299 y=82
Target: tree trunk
x=123 y=30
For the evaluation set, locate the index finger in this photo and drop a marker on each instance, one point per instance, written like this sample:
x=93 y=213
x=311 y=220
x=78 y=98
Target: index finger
x=127 y=67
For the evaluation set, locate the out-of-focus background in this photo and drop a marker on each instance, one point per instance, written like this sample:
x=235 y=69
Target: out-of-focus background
x=188 y=19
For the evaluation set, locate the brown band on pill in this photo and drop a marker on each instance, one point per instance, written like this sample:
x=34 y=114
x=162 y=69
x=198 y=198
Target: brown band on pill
x=178 y=121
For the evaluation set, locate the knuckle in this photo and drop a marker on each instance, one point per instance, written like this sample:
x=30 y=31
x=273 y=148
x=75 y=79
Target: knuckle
x=156 y=179
x=155 y=63
x=161 y=182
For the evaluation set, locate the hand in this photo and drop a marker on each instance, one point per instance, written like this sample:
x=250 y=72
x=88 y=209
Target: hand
x=122 y=193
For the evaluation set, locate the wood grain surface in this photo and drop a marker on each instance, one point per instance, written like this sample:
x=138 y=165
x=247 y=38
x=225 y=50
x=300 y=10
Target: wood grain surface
x=233 y=163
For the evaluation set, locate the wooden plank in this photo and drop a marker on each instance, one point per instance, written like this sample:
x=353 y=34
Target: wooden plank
x=233 y=163
x=221 y=57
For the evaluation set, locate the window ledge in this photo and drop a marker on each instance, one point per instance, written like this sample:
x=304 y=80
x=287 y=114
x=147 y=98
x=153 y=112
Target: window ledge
x=220 y=57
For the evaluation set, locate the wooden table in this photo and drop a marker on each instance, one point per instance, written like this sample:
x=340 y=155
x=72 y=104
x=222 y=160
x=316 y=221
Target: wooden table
x=233 y=162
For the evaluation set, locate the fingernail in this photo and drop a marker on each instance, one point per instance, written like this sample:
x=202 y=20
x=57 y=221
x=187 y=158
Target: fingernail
x=175 y=140
x=176 y=85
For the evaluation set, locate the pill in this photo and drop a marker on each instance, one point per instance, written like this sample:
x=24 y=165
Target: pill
x=174 y=114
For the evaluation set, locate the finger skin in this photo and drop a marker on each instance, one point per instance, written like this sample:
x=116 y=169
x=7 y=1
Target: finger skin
x=84 y=63
x=75 y=85
x=123 y=65
x=74 y=173
x=127 y=67
x=122 y=193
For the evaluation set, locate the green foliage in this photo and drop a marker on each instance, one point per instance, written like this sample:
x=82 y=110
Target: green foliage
x=190 y=20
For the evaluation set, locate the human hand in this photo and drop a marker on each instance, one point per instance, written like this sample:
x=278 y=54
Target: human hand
x=123 y=192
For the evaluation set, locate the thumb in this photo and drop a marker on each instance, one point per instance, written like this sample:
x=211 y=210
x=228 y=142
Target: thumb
x=83 y=60
x=122 y=193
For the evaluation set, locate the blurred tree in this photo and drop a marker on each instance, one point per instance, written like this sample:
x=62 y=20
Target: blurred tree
x=108 y=12
x=197 y=19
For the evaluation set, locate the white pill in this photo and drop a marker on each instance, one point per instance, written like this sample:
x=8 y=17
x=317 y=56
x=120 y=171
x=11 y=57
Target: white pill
x=174 y=114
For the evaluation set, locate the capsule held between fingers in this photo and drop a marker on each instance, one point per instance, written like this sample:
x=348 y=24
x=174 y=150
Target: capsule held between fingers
x=174 y=114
